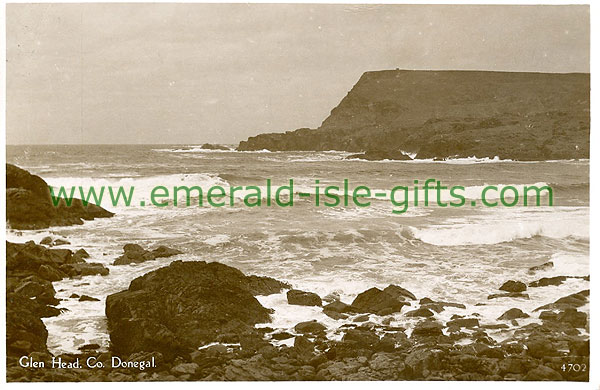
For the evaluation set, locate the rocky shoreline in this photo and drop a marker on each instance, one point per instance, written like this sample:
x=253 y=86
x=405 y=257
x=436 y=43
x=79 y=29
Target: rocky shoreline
x=195 y=320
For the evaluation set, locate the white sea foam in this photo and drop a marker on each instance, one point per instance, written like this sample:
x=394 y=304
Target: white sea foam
x=507 y=225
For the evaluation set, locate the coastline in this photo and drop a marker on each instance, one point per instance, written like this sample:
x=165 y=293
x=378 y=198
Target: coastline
x=235 y=349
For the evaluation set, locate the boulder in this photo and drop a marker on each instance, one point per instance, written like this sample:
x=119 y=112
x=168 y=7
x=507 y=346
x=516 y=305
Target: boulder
x=175 y=309
x=513 y=286
x=303 y=298
x=87 y=298
x=134 y=253
x=543 y=373
x=376 y=301
x=398 y=292
x=463 y=323
x=512 y=314
x=421 y=312
x=310 y=327
x=553 y=281
x=542 y=267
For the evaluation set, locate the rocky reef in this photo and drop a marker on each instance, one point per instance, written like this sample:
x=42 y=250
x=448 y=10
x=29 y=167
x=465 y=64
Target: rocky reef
x=29 y=205
x=201 y=321
x=447 y=114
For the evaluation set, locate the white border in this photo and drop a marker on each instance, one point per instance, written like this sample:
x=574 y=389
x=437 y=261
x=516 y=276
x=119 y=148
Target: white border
x=594 y=228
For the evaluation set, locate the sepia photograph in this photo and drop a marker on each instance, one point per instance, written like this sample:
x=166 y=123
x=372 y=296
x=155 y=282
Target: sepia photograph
x=297 y=192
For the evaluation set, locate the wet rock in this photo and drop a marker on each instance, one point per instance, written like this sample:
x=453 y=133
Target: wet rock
x=304 y=347
x=553 y=281
x=60 y=241
x=513 y=286
x=421 y=312
x=134 y=253
x=375 y=155
x=87 y=298
x=49 y=273
x=89 y=347
x=568 y=302
x=177 y=308
x=573 y=317
x=542 y=373
x=82 y=253
x=361 y=338
x=303 y=298
x=399 y=292
x=87 y=269
x=337 y=306
x=29 y=205
x=74 y=295
x=463 y=323
x=184 y=368
x=361 y=318
x=512 y=314
x=376 y=301
x=310 y=327
x=281 y=336
x=542 y=267
x=427 y=329
x=508 y=295
x=46 y=240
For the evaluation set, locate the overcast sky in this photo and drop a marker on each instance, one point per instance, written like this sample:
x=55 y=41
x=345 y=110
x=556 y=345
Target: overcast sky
x=194 y=73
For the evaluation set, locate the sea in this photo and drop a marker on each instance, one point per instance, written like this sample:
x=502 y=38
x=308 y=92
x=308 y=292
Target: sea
x=450 y=254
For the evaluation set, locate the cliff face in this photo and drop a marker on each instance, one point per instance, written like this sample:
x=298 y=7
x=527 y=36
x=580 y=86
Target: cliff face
x=521 y=116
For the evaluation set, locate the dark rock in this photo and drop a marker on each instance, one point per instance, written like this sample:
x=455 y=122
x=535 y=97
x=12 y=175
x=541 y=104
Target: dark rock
x=463 y=323
x=87 y=298
x=573 y=317
x=29 y=205
x=134 y=253
x=377 y=155
x=214 y=147
x=398 y=292
x=74 y=296
x=336 y=306
x=374 y=301
x=310 y=327
x=304 y=347
x=88 y=269
x=427 y=329
x=543 y=373
x=361 y=318
x=46 y=240
x=175 y=309
x=302 y=298
x=513 y=286
x=82 y=253
x=554 y=281
x=541 y=267
x=512 y=314
x=281 y=336
x=361 y=338
x=508 y=295
x=421 y=312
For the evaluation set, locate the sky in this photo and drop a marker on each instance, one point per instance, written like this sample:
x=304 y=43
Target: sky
x=219 y=73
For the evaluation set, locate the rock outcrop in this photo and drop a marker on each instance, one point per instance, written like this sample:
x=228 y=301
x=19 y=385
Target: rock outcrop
x=134 y=253
x=442 y=114
x=29 y=205
x=178 y=308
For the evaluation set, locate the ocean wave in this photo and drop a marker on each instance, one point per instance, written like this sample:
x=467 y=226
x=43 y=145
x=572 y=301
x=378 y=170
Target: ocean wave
x=507 y=226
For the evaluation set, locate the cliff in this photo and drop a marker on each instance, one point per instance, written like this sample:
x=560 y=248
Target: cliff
x=520 y=116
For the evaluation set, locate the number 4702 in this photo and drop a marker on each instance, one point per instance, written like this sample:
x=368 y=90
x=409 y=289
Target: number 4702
x=568 y=367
